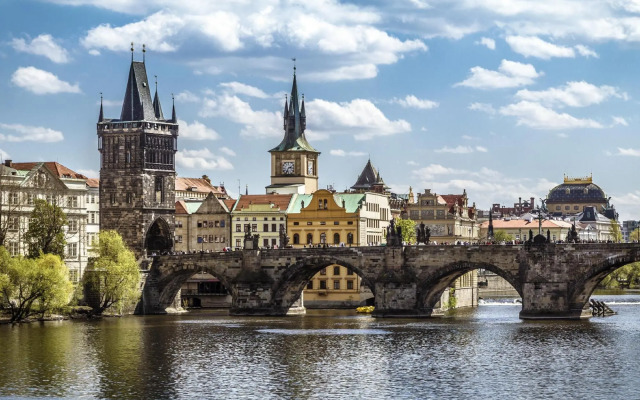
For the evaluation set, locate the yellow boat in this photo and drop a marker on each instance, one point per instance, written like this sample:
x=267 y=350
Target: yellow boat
x=365 y=309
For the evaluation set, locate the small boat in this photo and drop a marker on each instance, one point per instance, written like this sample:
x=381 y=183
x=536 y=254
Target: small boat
x=365 y=309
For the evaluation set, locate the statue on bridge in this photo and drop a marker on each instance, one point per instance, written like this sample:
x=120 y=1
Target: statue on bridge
x=572 y=235
x=284 y=239
x=423 y=233
x=250 y=241
x=394 y=234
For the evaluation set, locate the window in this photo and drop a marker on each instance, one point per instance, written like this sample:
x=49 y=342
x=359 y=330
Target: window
x=179 y=239
x=336 y=285
x=30 y=199
x=73 y=275
x=14 y=198
x=73 y=225
x=557 y=207
x=350 y=238
x=72 y=250
x=323 y=271
x=14 y=249
x=265 y=242
x=350 y=285
x=323 y=222
x=296 y=238
x=216 y=224
x=309 y=238
x=336 y=238
x=309 y=222
x=349 y=222
x=112 y=198
x=129 y=198
x=567 y=207
x=265 y=228
x=211 y=238
x=296 y=223
x=13 y=223
x=247 y=227
x=575 y=207
x=273 y=228
x=199 y=224
x=237 y=242
x=254 y=227
x=323 y=285
x=336 y=222
x=238 y=228
x=336 y=270
x=310 y=285
x=205 y=224
x=274 y=242
x=72 y=201
x=323 y=238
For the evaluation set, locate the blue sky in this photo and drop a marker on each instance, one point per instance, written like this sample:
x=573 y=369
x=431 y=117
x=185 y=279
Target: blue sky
x=501 y=98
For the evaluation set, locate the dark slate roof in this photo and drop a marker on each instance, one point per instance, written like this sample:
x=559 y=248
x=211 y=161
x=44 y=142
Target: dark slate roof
x=137 y=104
x=368 y=177
x=294 y=125
x=157 y=108
x=576 y=193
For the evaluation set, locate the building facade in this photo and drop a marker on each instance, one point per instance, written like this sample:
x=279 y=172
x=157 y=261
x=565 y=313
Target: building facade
x=202 y=225
x=519 y=228
x=22 y=183
x=137 y=168
x=574 y=194
x=262 y=215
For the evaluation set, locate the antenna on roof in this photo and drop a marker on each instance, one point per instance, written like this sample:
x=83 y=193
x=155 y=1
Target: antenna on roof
x=294 y=65
x=156 y=76
x=144 y=50
x=131 y=51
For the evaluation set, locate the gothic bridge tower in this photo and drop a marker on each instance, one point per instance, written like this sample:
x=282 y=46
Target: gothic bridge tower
x=294 y=162
x=137 y=168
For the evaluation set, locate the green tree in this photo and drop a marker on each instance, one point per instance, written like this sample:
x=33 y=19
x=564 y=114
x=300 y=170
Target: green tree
x=114 y=275
x=634 y=236
x=33 y=286
x=46 y=230
x=502 y=236
x=408 y=228
x=615 y=232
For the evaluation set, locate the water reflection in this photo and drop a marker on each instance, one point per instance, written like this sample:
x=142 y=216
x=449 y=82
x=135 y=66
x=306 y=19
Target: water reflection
x=485 y=352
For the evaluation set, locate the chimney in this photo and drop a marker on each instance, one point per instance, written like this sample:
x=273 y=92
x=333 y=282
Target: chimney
x=8 y=163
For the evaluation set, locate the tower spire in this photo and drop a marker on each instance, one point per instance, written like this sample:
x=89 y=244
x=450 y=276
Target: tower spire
x=173 y=110
x=157 y=108
x=101 y=116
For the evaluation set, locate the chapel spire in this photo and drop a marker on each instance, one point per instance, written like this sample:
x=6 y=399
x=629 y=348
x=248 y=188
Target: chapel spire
x=101 y=116
x=157 y=108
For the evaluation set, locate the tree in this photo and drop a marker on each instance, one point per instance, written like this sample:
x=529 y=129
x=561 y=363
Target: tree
x=502 y=236
x=114 y=275
x=408 y=228
x=634 y=236
x=615 y=232
x=46 y=234
x=33 y=286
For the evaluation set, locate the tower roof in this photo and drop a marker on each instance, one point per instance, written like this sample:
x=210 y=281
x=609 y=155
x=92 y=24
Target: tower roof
x=368 y=178
x=137 y=104
x=294 y=125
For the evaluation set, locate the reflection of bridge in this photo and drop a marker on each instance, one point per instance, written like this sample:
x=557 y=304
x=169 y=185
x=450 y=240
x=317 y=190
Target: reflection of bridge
x=554 y=280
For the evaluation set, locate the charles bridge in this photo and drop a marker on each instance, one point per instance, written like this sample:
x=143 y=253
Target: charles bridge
x=555 y=281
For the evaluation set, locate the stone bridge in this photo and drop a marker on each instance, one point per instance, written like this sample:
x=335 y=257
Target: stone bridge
x=555 y=281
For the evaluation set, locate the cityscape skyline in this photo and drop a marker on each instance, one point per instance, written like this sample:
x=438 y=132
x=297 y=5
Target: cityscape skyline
x=497 y=98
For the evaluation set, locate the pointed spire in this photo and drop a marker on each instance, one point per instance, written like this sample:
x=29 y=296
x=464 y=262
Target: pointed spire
x=101 y=116
x=157 y=108
x=174 y=119
x=137 y=104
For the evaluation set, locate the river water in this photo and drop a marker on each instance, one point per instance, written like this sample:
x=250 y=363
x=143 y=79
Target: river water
x=481 y=353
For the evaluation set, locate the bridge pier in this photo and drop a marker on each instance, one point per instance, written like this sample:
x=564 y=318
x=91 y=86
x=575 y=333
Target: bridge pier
x=550 y=300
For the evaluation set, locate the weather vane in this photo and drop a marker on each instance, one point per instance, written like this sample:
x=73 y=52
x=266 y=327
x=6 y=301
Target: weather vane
x=294 y=64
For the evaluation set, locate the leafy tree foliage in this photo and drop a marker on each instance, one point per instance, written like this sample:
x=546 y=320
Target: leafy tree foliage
x=634 y=236
x=33 y=286
x=615 y=232
x=46 y=233
x=628 y=276
x=114 y=275
x=502 y=236
x=408 y=227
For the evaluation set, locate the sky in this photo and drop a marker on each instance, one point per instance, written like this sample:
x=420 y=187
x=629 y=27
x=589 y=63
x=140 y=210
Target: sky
x=498 y=98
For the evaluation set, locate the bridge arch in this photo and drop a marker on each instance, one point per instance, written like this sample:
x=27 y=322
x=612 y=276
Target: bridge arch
x=171 y=276
x=158 y=237
x=293 y=281
x=583 y=288
x=431 y=286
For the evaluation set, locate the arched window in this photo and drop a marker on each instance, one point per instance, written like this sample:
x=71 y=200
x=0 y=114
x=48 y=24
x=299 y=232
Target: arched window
x=309 y=238
x=323 y=238
x=296 y=239
x=336 y=238
x=325 y=204
x=350 y=238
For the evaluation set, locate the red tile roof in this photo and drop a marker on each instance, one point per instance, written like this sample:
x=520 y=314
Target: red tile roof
x=181 y=208
x=281 y=201
x=201 y=185
x=93 y=182
x=56 y=168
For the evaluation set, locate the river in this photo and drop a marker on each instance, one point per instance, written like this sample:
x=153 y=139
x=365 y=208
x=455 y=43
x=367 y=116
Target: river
x=481 y=353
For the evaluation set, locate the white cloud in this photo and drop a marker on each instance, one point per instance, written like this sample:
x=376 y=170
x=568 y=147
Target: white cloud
x=94 y=52
x=585 y=51
x=562 y=135
x=187 y=97
x=241 y=88
x=461 y=149
x=359 y=117
x=537 y=116
x=342 y=153
x=4 y=155
x=350 y=72
x=43 y=45
x=25 y=133
x=487 y=42
x=619 y=121
x=228 y=151
x=573 y=94
x=628 y=152
x=202 y=159
x=412 y=101
x=510 y=74
x=196 y=131
x=484 y=107
x=258 y=124
x=41 y=82
x=532 y=46
x=412 y=163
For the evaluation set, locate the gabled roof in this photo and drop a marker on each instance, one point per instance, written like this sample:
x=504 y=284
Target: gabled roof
x=198 y=185
x=93 y=182
x=181 y=208
x=368 y=178
x=280 y=202
x=55 y=168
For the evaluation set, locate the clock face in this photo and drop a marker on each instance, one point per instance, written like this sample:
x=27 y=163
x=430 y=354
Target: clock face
x=310 y=168
x=287 y=167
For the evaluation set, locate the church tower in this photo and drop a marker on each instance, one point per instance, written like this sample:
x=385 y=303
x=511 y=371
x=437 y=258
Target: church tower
x=137 y=168
x=294 y=162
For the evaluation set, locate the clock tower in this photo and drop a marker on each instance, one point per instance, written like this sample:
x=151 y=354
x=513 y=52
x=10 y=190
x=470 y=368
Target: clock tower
x=294 y=162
